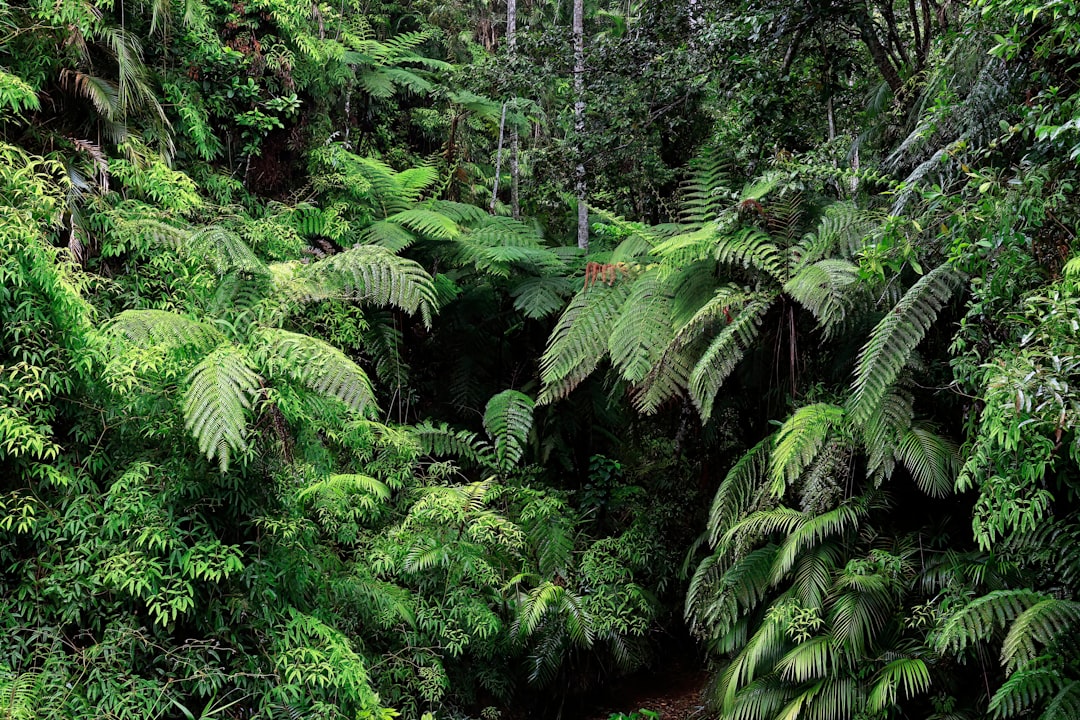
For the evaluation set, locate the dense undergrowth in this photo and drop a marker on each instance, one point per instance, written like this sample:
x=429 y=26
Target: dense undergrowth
x=312 y=405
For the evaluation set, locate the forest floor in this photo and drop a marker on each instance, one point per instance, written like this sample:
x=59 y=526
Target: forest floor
x=675 y=692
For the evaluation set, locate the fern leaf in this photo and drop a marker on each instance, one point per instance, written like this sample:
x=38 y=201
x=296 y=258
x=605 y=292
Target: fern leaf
x=751 y=248
x=373 y=274
x=220 y=392
x=159 y=328
x=539 y=297
x=799 y=441
x=316 y=365
x=579 y=339
x=427 y=222
x=508 y=420
x=821 y=288
x=441 y=440
x=982 y=617
x=1041 y=624
x=896 y=336
x=723 y=354
x=642 y=330
x=1025 y=689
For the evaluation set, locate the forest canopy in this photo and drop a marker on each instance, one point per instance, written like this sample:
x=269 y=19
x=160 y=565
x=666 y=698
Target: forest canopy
x=461 y=359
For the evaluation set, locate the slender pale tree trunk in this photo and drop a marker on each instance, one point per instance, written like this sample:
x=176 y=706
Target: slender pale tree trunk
x=498 y=160
x=515 y=141
x=579 y=123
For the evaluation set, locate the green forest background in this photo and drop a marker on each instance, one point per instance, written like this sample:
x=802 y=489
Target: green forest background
x=457 y=358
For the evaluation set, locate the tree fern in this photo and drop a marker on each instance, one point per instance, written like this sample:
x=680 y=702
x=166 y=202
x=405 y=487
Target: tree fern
x=723 y=354
x=375 y=275
x=508 y=419
x=158 y=328
x=317 y=365
x=1040 y=626
x=799 y=440
x=579 y=340
x=220 y=393
x=896 y=336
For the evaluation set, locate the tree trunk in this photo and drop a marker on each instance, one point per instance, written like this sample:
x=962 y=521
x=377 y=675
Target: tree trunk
x=498 y=160
x=877 y=51
x=515 y=141
x=579 y=123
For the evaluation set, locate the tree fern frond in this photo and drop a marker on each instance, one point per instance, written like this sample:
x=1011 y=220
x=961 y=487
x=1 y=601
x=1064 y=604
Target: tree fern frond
x=883 y=431
x=538 y=297
x=1025 y=689
x=1065 y=705
x=145 y=328
x=723 y=354
x=442 y=440
x=369 y=273
x=220 y=393
x=508 y=419
x=1041 y=624
x=426 y=222
x=982 y=617
x=389 y=235
x=705 y=193
x=641 y=331
x=317 y=365
x=821 y=288
x=798 y=442
x=223 y=250
x=579 y=339
x=896 y=336
x=932 y=459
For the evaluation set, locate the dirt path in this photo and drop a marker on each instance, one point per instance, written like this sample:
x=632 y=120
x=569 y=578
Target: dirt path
x=675 y=693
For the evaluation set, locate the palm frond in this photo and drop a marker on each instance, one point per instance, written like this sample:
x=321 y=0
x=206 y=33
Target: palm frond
x=909 y=674
x=932 y=460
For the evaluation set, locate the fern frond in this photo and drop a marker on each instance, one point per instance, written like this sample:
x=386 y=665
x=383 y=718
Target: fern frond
x=442 y=440
x=427 y=223
x=1041 y=624
x=642 y=330
x=821 y=288
x=508 y=419
x=723 y=354
x=159 y=328
x=1065 y=705
x=896 y=336
x=223 y=250
x=384 y=233
x=884 y=430
x=372 y=274
x=984 y=616
x=539 y=297
x=579 y=339
x=316 y=365
x=220 y=393
x=705 y=193
x=798 y=442
x=1025 y=689
x=932 y=459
